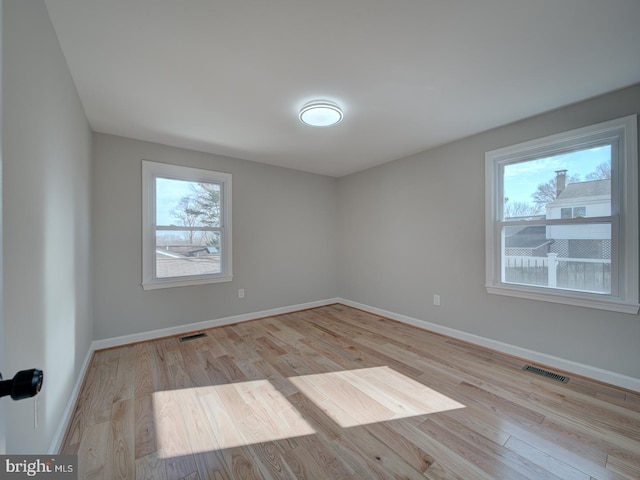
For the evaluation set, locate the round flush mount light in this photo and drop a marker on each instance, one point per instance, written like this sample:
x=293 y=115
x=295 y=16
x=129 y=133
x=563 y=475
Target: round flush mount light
x=320 y=113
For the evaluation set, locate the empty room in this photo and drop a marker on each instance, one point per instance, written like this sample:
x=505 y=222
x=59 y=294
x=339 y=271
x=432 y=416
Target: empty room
x=320 y=240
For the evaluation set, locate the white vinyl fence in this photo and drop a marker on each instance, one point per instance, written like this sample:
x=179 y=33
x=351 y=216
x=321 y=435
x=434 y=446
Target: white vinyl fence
x=582 y=274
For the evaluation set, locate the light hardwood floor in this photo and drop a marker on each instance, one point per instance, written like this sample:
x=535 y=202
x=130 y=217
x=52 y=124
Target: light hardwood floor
x=334 y=393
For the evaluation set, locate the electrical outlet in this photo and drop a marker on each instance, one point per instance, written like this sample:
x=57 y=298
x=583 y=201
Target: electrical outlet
x=436 y=300
x=241 y=293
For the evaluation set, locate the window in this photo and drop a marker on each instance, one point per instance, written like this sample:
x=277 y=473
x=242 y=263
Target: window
x=573 y=212
x=562 y=218
x=186 y=218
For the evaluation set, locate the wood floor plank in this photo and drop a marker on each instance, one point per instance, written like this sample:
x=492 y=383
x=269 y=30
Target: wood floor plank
x=269 y=461
x=211 y=466
x=150 y=467
x=101 y=401
x=339 y=393
x=120 y=461
x=225 y=431
x=144 y=426
x=242 y=465
x=411 y=453
x=448 y=458
x=375 y=453
x=161 y=376
x=196 y=424
x=542 y=459
x=315 y=416
x=212 y=368
x=171 y=435
x=508 y=458
x=191 y=356
x=304 y=462
x=344 y=402
x=483 y=458
x=143 y=383
x=124 y=382
x=93 y=451
x=623 y=466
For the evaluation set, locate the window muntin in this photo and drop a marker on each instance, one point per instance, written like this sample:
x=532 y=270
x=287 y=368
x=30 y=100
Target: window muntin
x=562 y=218
x=186 y=239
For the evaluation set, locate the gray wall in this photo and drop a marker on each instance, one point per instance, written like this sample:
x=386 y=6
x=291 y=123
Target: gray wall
x=284 y=240
x=46 y=274
x=413 y=228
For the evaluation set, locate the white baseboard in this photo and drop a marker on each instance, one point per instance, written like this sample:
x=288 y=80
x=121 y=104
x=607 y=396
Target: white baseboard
x=595 y=373
x=192 y=327
x=58 y=436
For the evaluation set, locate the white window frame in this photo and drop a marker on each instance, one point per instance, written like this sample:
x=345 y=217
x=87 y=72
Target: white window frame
x=151 y=171
x=624 y=214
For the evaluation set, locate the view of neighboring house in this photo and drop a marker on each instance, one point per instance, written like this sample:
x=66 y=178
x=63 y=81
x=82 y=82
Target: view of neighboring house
x=564 y=256
x=581 y=199
x=528 y=241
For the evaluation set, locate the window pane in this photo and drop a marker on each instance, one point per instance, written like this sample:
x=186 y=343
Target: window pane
x=185 y=253
x=569 y=185
x=581 y=212
x=573 y=257
x=187 y=204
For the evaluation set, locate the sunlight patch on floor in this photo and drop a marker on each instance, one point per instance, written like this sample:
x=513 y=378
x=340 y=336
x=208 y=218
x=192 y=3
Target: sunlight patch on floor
x=202 y=419
x=223 y=416
x=371 y=395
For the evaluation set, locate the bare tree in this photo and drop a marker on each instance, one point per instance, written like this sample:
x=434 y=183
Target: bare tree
x=200 y=209
x=207 y=203
x=520 y=209
x=602 y=172
x=187 y=214
x=547 y=192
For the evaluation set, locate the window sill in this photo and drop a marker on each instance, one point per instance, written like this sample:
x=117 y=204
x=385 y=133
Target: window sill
x=600 y=302
x=172 y=282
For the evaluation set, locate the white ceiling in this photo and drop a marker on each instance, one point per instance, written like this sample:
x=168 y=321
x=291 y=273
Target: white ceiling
x=229 y=76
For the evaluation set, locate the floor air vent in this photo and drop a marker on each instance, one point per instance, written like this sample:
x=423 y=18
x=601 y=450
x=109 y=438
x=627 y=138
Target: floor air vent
x=546 y=373
x=192 y=337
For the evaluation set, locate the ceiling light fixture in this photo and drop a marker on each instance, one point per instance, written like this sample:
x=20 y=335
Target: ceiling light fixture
x=320 y=113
